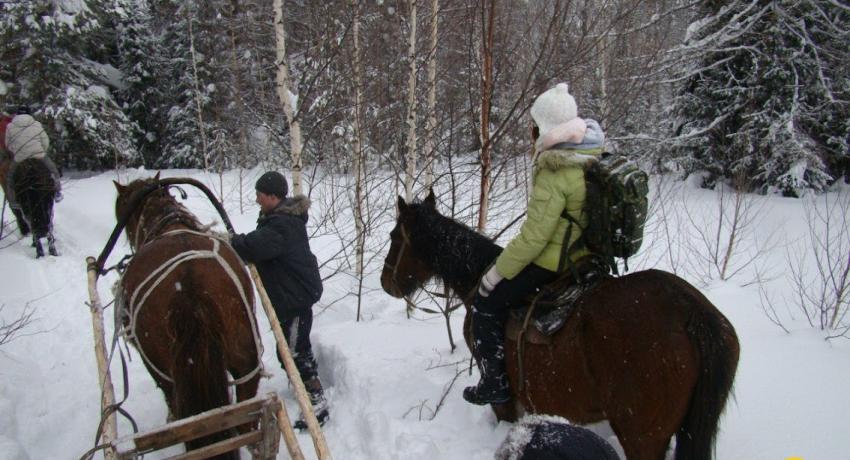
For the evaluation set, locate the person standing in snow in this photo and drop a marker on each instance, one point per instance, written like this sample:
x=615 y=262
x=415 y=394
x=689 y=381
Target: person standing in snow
x=280 y=249
x=544 y=246
x=25 y=138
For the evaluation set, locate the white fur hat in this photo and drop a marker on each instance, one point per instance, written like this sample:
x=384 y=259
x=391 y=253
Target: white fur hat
x=554 y=107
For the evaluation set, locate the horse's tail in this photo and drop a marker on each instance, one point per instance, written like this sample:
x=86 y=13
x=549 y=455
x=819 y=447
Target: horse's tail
x=34 y=192
x=717 y=344
x=198 y=370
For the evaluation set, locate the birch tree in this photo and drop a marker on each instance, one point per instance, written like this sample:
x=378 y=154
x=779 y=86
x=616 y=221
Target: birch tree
x=286 y=97
x=488 y=15
x=360 y=231
x=431 y=126
x=410 y=170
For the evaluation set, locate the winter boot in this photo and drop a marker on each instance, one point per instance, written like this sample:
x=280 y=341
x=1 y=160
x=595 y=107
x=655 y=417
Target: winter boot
x=489 y=339
x=493 y=387
x=319 y=403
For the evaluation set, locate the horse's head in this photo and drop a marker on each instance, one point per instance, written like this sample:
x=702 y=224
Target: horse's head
x=405 y=268
x=143 y=199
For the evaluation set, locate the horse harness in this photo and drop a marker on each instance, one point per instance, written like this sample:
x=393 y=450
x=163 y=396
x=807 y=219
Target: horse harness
x=405 y=243
x=133 y=304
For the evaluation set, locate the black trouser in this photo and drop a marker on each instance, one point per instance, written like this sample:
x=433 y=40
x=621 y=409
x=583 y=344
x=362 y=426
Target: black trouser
x=297 y=331
x=490 y=313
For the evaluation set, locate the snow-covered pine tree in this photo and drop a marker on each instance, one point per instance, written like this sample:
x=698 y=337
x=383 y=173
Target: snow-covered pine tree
x=50 y=60
x=765 y=95
x=141 y=62
x=186 y=86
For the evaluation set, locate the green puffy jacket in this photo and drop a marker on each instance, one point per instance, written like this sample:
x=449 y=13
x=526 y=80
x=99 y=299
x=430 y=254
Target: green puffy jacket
x=557 y=184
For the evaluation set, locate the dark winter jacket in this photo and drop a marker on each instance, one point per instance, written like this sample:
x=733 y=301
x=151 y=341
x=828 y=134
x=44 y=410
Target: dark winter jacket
x=280 y=249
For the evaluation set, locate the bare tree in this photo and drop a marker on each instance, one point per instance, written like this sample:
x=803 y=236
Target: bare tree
x=431 y=125
x=359 y=179
x=823 y=294
x=197 y=92
x=287 y=98
x=410 y=170
x=725 y=240
x=10 y=330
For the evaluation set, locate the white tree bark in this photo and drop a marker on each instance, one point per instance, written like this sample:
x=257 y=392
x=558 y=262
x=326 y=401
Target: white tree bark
x=359 y=179
x=410 y=171
x=286 y=96
x=431 y=126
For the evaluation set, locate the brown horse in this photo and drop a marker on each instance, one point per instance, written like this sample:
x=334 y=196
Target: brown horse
x=188 y=305
x=646 y=351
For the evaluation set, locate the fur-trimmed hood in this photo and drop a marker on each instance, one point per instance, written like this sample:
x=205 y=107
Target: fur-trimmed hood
x=298 y=205
x=556 y=159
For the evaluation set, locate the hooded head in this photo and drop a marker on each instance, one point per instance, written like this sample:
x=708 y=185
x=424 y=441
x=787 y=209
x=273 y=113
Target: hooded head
x=552 y=108
x=272 y=183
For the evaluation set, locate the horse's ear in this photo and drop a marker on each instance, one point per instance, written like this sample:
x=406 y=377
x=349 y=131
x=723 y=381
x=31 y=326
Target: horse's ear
x=402 y=206
x=431 y=199
x=119 y=187
x=156 y=178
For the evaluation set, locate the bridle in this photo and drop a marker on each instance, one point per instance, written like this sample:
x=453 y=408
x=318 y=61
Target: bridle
x=405 y=243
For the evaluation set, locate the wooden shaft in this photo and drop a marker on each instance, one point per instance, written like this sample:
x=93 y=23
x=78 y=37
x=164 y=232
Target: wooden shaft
x=107 y=392
x=285 y=426
x=319 y=442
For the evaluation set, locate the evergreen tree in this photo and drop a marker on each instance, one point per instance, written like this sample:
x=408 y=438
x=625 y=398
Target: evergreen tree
x=141 y=61
x=765 y=96
x=47 y=57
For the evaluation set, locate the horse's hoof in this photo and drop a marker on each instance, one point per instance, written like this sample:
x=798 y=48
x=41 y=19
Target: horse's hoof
x=54 y=252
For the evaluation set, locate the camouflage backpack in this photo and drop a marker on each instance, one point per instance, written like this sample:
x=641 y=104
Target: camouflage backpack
x=616 y=206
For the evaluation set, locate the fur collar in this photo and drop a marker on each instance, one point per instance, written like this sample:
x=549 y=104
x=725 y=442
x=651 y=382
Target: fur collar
x=556 y=159
x=296 y=206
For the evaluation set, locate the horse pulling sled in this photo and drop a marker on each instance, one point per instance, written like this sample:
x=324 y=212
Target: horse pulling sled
x=185 y=303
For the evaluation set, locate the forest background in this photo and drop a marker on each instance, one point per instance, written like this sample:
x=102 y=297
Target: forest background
x=750 y=92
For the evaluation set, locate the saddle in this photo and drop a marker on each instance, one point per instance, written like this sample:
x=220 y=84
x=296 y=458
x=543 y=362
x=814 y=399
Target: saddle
x=549 y=310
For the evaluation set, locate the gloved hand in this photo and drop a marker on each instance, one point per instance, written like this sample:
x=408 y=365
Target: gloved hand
x=489 y=281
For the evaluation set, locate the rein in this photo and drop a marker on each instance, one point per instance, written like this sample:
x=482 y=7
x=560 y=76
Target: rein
x=137 y=198
x=406 y=243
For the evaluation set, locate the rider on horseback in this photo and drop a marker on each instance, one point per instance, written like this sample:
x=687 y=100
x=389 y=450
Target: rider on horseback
x=543 y=248
x=25 y=138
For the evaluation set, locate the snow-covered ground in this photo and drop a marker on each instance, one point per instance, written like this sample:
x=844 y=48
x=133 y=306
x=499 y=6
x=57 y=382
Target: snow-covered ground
x=385 y=375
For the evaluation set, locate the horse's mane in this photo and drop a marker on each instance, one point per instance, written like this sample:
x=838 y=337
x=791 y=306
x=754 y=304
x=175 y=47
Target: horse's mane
x=453 y=250
x=166 y=204
x=157 y=211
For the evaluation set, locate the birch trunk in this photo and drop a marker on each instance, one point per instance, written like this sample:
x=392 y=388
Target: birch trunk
x=360 y=231
x=410 y=171
x=431 y=126
x=286 y=97
x=195 y=83
x=487 y=19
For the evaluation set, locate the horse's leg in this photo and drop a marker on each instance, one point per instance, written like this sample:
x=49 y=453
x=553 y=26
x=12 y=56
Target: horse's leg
x=51 y=244
x=22 y=223
x=39 y=250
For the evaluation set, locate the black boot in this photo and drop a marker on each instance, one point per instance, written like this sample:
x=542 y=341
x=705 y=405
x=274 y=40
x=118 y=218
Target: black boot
x=493 y=387
x=319 y=403
x=489 y=340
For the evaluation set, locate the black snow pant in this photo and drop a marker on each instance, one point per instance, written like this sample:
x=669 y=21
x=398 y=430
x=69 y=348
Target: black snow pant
x=297 y=329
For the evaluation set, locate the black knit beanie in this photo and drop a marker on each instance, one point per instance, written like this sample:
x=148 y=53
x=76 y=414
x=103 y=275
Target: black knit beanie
x=272 y=183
